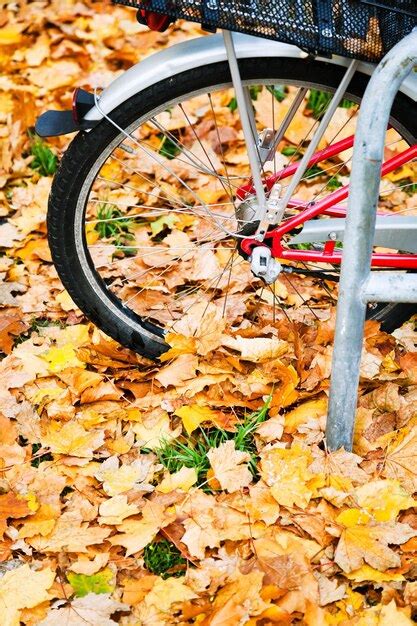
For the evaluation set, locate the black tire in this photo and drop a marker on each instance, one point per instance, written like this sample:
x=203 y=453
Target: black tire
x=92 y=297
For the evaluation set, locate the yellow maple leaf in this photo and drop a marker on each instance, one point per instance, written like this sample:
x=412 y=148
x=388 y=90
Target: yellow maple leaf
x=135 y=534
x=118 y=478
x=72 y=439
x=401 y=458
x=405 y=171
x=256 y=349
x=368 y=573
x=388 y=615
x=184 y=479
x=180 y=370
x=10 y=35
x=61 y=358
x=243 y=592
x=115 y=510
x=262 y=505
x=167 y=592
x=69 y=535
x=209 y=522
x=193 y=415
x=286 y=393
x=65 y=300
x=312 y=409
x=151 y=431
x=41 y=523
x=230 y=466
x=94 y=609
x=363 y=541
x=383 y=499
x=22 y=588
x=285 y=471
x=204 y=322
x=179 y=345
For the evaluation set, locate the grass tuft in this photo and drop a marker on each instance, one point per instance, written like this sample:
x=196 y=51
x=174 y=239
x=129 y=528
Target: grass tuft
x=109 y=226
x=318 y=100
x=45 y=161
x=168 y=147
x=164 y=559
x=192 y=451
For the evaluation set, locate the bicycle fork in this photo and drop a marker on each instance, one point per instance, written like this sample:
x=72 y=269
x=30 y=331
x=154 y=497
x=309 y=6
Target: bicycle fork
x=261 y=148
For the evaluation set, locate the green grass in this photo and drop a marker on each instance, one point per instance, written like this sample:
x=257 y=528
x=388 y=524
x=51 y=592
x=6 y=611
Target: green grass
x=192 y=451
x=313 y=171
x=254 y=91
x=318 y=100
x=168 y=147
x=164 y=559
x=334 y=183
x=410 y=188
x=278 y=91
x=116 y=230
x=34 y=325
x=39 y=459
x=45 y=162
x=291 y=151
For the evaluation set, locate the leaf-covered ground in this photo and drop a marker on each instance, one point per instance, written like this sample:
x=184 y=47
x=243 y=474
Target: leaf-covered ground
x=197 y=490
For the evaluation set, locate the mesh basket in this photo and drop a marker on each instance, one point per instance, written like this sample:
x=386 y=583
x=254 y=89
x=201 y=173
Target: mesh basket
x=362 y=29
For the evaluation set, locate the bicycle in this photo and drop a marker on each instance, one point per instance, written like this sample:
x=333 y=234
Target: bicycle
x=150 y=185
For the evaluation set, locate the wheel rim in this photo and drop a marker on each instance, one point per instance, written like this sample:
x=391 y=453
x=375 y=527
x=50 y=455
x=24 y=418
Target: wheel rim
x=120 y=235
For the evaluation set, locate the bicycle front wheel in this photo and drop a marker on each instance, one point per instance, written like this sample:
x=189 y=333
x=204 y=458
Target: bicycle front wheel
x=144 y=225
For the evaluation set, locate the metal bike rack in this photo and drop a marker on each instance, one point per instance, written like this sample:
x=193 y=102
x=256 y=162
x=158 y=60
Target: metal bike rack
x=358 y=285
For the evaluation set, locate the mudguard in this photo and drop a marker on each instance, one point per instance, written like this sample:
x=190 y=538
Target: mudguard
x=188 y=55
x=201 y=51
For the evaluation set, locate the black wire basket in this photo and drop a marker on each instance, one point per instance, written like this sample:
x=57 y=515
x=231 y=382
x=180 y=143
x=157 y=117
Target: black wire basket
x=362 y=29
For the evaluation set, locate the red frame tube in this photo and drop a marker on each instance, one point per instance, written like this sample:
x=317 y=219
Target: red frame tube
x=326 y=206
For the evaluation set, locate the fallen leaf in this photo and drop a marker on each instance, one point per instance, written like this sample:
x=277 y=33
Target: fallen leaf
x=329 y=590
x=11 y=325
x=61 y=358
x=118 y=479
x=184 y=479
x=183 y=368
x=115 y=510
x=12 y=506
x=97 y=583
x=11 y=35
x=401 y=459
x=180 y=345
x=383 y=499
x=69 y=535
x=286 y=472
x=193 y=415
x=368 y=542
x=256 y=349
x=153 y=430
x=23 y=588
x=135 y=534
x=229 y=466
x=72 y=439
x=166 y=593
x=204 y=323
x=368 y=573
x=312 y=409
x=93 y=609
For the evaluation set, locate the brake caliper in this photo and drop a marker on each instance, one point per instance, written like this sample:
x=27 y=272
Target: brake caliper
x=263 y=264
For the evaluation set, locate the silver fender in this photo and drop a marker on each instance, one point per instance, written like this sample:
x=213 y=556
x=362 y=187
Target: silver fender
x=200 y=51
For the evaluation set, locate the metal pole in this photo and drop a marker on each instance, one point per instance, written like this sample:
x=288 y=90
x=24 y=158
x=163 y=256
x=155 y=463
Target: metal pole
x=359 y=234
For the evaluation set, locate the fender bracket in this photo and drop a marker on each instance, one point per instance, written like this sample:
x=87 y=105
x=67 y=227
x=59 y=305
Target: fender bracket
x=55 y=123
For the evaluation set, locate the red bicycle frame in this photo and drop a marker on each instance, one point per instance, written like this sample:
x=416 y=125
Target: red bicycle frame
x=326 y=206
